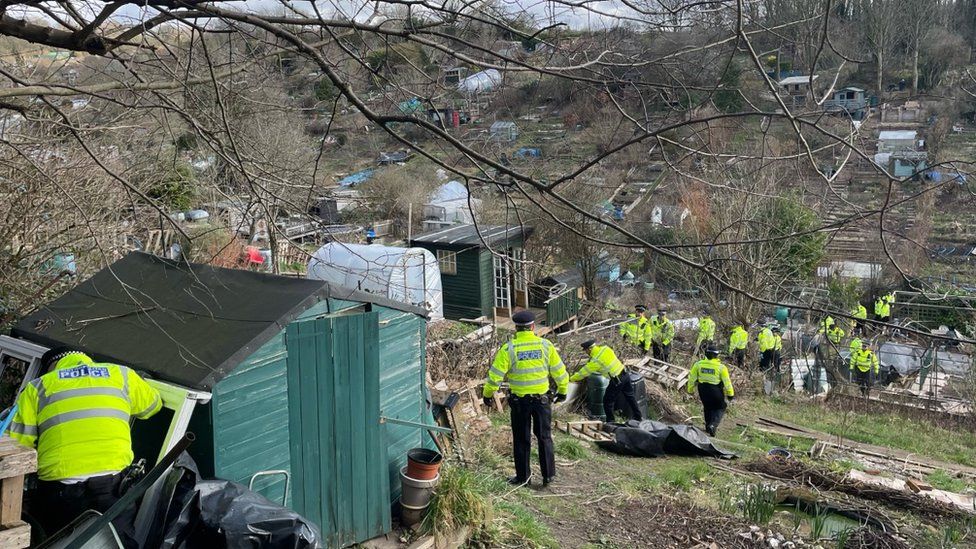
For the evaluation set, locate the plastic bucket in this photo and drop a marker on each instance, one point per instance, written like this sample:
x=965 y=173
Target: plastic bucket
x=411 y=515
x=416 y=492
x=423 y=464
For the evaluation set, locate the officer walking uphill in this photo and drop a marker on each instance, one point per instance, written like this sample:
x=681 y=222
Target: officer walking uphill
x=528 y=361
x=711 y=376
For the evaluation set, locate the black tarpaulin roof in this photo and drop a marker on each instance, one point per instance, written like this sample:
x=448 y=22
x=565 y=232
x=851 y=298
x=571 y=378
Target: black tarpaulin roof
x=185 y=323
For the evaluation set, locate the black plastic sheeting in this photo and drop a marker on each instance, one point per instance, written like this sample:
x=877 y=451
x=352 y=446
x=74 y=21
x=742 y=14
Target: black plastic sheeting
x=655 y=439
x=220 y=513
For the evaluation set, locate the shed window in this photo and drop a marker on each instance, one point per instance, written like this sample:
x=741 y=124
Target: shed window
x=447 y=262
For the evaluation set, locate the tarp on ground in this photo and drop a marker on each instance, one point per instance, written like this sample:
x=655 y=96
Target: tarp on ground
x=655 y=439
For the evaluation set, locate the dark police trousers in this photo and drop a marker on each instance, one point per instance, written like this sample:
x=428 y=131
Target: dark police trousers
x=739 y=356
x=864 y=380
x=55 y=504
x=532 y=414
x=767 y=360
x=661 y=351
x=713 y=400
x=621 y=385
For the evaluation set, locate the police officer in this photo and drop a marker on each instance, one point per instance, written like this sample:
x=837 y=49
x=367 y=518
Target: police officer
x=777 y=349
x=706 y=333
x=767 y=349
x=860 y=314
x=738 y=341
x=634 y=328
x=77 y=415
x=711 y=376
x=861 y=364
x=528 y=361
x=660 y=333
x=603 y=362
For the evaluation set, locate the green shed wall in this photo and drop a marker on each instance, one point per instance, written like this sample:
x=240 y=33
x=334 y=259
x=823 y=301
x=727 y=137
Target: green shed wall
x=486 y=270
x=249 y=410
x=464 y=292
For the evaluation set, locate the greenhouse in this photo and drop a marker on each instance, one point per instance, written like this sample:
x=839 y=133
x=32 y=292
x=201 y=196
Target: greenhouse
x=407 y=275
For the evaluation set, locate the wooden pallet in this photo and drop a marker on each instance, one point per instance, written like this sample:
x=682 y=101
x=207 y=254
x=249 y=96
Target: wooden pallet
x=671 y=376
x=584 y=430
x=16 y=461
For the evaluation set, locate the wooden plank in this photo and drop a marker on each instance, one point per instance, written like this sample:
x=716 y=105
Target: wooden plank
x=15 y=537
x=16 y=459
x=11 y=496
x=359 y=475
x=378 y=482
x=341 y=468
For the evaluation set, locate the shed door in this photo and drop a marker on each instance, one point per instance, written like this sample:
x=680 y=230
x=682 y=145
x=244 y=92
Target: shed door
x=338 y=458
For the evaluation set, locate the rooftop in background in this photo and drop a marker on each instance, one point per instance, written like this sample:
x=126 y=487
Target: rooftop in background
x=895 y=135
x=468 y=235
x=797 y=80
x=185 y=323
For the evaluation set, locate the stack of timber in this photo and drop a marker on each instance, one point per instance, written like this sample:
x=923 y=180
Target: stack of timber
x=16 y=462
x=590 y=431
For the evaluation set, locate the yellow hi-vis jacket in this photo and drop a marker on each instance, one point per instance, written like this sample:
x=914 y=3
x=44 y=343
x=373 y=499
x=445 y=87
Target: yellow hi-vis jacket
x=860 y=312
x=603 y=362
x=766 y=340
x=711 y=371
x=78 y=417
x=633 y=329
x=865 y=359
x=882 y=307
x=739 y=339
x=855 y=345
x=527 y=361
x=660 y=331
x=706 y=330
x=778 y=345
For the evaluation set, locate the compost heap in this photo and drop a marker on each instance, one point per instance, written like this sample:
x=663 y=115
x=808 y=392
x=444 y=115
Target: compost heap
x=655 y=439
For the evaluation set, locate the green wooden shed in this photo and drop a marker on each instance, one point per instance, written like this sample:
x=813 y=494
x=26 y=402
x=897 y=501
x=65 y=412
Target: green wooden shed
x=482 y=269
x=319 y=384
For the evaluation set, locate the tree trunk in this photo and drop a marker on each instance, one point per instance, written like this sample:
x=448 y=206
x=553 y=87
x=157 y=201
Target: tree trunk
x=915 y=69
x=880 y=58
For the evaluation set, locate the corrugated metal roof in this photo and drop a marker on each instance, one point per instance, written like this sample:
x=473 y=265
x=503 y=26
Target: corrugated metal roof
x=896 y=135
x=470 y=235
x=796 y=80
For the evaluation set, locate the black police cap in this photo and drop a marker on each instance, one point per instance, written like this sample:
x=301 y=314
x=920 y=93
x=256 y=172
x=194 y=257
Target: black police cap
x=523 y=318
x=587 y=344
x=51 y=357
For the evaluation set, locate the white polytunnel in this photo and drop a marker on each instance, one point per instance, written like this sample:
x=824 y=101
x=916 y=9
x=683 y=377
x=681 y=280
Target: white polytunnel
x=408 y=275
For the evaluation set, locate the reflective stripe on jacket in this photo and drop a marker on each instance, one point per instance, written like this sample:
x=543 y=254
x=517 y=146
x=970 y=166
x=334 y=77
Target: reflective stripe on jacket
x=865 y=360
x=766 y=340
x=855 y=345
x=739 y=339
x=712 y=372
x=78 y=417
x=706 y=330
x=527 y=361
x=603 y=362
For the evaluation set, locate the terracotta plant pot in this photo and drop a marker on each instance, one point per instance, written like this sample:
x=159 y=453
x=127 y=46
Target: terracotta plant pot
x=423 y=464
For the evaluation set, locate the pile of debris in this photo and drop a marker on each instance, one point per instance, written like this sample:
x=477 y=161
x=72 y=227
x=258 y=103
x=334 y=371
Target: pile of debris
x=821 y=479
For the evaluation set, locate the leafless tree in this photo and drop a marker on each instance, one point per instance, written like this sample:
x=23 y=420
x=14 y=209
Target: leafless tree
x=269 y=107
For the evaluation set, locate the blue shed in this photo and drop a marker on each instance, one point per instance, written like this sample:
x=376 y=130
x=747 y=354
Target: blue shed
x=305 y=380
